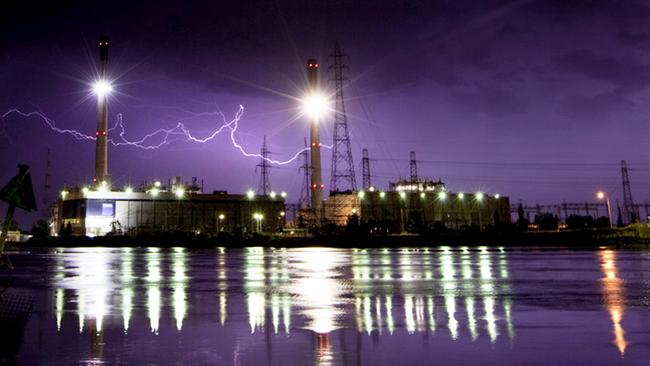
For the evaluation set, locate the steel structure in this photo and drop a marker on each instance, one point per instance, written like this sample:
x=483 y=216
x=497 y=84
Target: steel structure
x=304 y=199
x=342 y=177
x=414 y=167
x=264 y=187
x=365 y=168
x=630 y=214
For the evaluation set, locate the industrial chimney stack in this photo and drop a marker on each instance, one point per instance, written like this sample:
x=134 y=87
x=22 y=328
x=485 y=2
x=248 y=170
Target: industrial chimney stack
x=101 y=147
x=316 y=178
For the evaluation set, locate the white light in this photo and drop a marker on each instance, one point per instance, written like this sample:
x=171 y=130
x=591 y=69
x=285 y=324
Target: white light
x=382 y=194
x=102 y=87
x=422 y=195
x=362 y=194
x=497 y=196
x=272 y=194
x=479 y=196
x=282 y=213
x=442 y=196
x=371 y=189
x=250 y=194
x=600 y=195
x=180 y=192
x=402 y=195
x=314 y=105
x=154 y=192
x=85 y=190
x=461 y=195
x=222 y=216
x=63 y=194
x=157 y=183
x=283 y=194
x=128 y=190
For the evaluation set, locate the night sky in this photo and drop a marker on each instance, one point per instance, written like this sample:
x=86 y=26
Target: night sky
x=537 y=100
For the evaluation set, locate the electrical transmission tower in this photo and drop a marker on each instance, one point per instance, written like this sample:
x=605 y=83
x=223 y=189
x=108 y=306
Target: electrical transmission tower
x=264 y=187
x=365 y=167
x=342 y=166
x=305 y=199
x=628 y=204
x=414 y=167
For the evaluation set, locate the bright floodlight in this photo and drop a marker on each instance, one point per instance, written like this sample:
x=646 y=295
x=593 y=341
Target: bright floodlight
x=102 y=87
x=250 y=194
x=154 y=192
x=402 y=194
x=461 y=195
x=479 y=196
x=497 y=196
x=180 y=192
x=128 y=190
x=600 y=195
x=362 y=194
x=222 y=216
x=382 y=194
x=272 y=194
x=314 y=105
x=283 y=194
x=442 y=195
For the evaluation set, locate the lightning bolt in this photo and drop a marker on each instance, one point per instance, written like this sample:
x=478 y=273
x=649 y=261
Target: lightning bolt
x=165 y=136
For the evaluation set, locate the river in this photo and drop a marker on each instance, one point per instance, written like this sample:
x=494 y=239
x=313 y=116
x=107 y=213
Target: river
x=326 y=306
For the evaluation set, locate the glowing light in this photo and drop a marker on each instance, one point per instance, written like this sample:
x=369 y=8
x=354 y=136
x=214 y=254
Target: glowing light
x=479 y=196
x=442 y=196
x=361 y=194
x=600 y=195
x=64 y=194
x=157 y=184
x=497 y=196
x=371 y=189
x=250 y=194
x=128 y=190
x=402 y=195
x=180 y=192
x=222 y=216
x=283 y=194
x=461 y=195
x=102 y=88
x=272 y=195
x=314 y=105
x=154 y=192
x=85 y=190
x=422 y=195
x=382 y=194
x=282 y=213
x=103 y=187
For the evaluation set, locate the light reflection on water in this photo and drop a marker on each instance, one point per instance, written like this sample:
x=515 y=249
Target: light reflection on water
x=462 y=293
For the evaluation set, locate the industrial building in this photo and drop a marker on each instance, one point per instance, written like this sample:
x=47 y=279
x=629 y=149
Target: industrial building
x=410 y=205
x=156 y=208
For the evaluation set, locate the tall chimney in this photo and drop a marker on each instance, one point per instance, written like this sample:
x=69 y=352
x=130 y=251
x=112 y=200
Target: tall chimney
x=101 y=147
x=316 y=179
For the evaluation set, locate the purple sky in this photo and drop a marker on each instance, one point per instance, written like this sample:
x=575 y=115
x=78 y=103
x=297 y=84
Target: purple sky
x=537 y=100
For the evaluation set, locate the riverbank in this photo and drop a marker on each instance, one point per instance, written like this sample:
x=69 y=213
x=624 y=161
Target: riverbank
x=630 y=237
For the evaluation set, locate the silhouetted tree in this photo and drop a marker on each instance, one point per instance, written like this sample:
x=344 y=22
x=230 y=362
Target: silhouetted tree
x=40 y=229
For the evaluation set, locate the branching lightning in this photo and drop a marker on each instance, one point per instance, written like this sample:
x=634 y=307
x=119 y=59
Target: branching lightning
x=165 y=136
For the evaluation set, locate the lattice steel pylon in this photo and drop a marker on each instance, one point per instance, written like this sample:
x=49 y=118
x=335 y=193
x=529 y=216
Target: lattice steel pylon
x=264 y=187
x=629 y=212
x=305 y=199
x=414 y=167
x=365 y=168
x=342 y=177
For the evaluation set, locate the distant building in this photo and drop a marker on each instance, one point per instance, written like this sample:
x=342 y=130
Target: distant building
x=157 y=209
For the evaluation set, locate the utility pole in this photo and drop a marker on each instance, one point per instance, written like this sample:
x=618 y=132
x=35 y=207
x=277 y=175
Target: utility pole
x=304 y=199
x=342 y=177
x=628 y=204
x=265 y=168
x=414 y=168
x=365 y=168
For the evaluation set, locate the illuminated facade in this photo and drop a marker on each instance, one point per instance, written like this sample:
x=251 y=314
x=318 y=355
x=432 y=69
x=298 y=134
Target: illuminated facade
x=100 y=212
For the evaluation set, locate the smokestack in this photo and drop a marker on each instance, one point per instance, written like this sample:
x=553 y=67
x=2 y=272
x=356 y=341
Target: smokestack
x=316 y=178
x=101 y=144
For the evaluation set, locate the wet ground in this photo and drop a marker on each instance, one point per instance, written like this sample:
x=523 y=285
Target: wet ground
x=262 y=306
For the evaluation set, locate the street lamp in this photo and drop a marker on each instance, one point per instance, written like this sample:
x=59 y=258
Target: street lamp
x=220 y=226
x=602 y=196
x=258 y=221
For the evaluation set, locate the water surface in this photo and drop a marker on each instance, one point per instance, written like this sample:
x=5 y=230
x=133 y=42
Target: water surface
x=322 y=306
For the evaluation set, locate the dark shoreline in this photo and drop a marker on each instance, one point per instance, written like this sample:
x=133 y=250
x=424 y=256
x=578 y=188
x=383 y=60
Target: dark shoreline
x=630 y=237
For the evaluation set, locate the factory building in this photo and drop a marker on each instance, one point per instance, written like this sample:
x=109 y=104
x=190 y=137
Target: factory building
x=410 y=205
x=156 y=208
